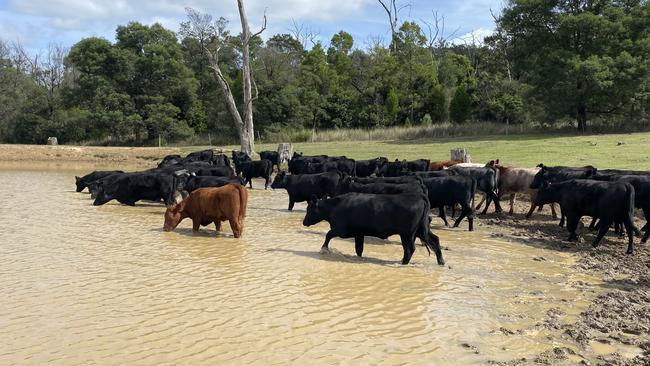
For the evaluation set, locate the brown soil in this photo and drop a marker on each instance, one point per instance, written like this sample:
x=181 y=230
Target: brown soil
x=136 y=157
x=620 y=315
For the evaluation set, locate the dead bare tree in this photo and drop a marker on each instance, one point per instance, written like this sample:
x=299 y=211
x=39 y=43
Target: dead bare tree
x=212 y=37
x=392 y=9
x=437 y=40
x=303 y=33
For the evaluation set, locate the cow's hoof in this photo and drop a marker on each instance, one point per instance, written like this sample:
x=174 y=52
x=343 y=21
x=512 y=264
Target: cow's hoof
x=441 y=262
x=595 y=245
x=629 y=252
x=324 y=250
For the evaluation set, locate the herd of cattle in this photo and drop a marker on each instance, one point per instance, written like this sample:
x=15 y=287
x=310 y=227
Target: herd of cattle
x=377 y=197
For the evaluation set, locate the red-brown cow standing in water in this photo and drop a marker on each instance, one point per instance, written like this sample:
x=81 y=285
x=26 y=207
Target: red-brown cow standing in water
x=208 y=205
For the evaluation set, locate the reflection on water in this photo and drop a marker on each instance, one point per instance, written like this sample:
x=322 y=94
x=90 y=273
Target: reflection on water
x=86 y=284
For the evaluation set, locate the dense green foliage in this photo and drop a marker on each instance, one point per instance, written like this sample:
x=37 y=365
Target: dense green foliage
x=547 y=61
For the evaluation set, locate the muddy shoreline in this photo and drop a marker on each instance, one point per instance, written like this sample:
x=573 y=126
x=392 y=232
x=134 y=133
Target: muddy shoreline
x=617 y=318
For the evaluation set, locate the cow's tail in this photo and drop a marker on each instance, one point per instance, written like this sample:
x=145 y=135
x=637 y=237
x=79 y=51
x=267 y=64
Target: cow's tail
x=243 y=201
x=474 y=184
x=424 y=225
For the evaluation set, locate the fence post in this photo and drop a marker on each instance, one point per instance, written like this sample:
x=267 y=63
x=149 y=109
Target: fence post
x=460 y=154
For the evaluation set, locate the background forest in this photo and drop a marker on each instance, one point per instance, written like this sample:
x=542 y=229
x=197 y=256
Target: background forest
x=549 y=65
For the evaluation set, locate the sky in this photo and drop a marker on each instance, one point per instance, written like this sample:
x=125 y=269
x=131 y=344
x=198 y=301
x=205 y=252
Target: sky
x=36 y=23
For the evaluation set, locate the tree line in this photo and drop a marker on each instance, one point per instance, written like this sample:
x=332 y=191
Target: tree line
x=546 y=62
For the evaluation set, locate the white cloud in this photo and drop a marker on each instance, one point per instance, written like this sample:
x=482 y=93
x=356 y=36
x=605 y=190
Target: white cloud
x=475 y=36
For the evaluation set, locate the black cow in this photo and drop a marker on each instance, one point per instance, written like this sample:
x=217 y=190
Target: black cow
x=394 y=180
x=129 y=188
x=347 y=186
x=313 y=168
x=86 y=180
x=393 y=169
x=487 y=181
x=366 y=168
x=220 y=160
x=449 y=191
x=255 y=169
x=555 y=174
x=355 y=215
x=272 y=156
x=344 y=165
x=195 y=182
x=419 y=165
x=302 y=187
x=299 y=164
x=93 y=187
x=608 y=201
x=203 y=155
x=215 y=171
x=170 y=159
x=240 y=157
x=435 y=173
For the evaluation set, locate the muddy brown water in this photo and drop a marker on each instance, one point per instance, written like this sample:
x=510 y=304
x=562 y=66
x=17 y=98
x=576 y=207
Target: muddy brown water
x=85 y=284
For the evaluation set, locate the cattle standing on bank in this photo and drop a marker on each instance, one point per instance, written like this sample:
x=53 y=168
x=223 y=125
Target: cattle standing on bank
x=608 y=201
x=255 y=169
x=355 y=215
x=211 y=205
x=449 y=191
x=272 y=156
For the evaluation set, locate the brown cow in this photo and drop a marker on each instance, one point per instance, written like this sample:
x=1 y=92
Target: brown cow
x=517 y=180
x=211 y=204
x=440 y=165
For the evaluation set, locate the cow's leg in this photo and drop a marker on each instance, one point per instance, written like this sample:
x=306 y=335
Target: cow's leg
x=453 y=210
x=217 y=224
x=235 y=227
x=605 y=223
x=442 y=214
x=497 y=204
x=266 y=183
x=553 y=211
x=572 y=227
x=480 y=204
x=465 y=212
x=629 y=227
x=408 y=243
x=562 y=218
x=513 y=197
x=330 y=234
x=358 y=245
x=645 y=237
x=196 y=224
x=250 y=182
x=291 y=203
x=593 y=223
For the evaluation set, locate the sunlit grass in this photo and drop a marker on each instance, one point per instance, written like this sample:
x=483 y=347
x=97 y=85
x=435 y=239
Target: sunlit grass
x=623 y=151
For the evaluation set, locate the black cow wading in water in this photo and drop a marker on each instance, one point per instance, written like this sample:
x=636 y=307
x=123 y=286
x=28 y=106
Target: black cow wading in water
x=355 y=215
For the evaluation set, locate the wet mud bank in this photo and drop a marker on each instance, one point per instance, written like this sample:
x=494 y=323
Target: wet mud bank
x=615 y=328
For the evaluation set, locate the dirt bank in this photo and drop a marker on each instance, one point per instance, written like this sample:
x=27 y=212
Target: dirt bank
x=615 y=329
x=136 y=157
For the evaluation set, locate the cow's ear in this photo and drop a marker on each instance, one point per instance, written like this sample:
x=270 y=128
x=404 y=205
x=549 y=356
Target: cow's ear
x=497 y=162
x=77 y=178
x=540 y=165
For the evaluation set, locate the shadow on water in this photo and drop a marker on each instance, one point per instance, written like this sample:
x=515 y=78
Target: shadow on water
x=335 y=256
x=204 y=232
x=366 y=240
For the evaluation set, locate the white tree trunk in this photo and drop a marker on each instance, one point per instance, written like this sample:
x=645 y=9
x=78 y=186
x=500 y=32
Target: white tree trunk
x=246 y=133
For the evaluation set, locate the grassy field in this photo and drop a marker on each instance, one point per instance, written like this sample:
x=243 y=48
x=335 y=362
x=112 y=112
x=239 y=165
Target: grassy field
x=623 y=151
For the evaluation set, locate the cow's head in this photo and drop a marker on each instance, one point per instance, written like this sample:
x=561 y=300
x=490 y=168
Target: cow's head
x=80 y=183
x=172 y=216
x=315 y=212
x=546 y=194
x=101 y=196
x=278 y=181
x=539 y=177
